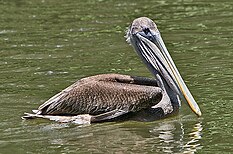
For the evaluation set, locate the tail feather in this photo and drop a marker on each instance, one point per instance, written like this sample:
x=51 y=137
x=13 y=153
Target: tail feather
x=36 y=111
x=31 y=116
x=78 y=119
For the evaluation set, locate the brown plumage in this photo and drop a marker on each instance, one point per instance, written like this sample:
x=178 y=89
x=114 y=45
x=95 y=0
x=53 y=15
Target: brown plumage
x=110 y=96
x=103 y=93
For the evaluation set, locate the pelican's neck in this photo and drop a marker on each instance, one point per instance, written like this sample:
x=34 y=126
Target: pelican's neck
x=170 y=102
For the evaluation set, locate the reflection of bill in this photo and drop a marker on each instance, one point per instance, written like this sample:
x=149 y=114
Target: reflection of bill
x=176 y=138
x=195 y=136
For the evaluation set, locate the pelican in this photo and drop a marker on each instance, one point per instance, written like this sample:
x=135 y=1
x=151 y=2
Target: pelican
x=108 y=97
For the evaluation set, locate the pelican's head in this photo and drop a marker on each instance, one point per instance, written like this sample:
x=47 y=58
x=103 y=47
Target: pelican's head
x=145 y=37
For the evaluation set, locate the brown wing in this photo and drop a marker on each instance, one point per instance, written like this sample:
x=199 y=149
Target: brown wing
x=104 y=93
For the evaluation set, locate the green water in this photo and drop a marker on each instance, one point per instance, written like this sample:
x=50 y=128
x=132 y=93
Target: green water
x=46 y=45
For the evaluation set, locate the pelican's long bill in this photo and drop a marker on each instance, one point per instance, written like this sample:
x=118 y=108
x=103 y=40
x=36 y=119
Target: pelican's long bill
x=149 y=44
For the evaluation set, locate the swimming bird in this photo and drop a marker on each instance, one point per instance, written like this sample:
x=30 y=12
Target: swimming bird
x=114 y=96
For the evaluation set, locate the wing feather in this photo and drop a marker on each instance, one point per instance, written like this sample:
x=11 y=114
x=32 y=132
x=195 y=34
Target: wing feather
x=103 y=93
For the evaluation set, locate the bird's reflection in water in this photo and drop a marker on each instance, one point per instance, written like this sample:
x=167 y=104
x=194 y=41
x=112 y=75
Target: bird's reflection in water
x=179 y=137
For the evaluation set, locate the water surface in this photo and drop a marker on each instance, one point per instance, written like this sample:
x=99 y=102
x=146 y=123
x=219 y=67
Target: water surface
x=47 y=45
